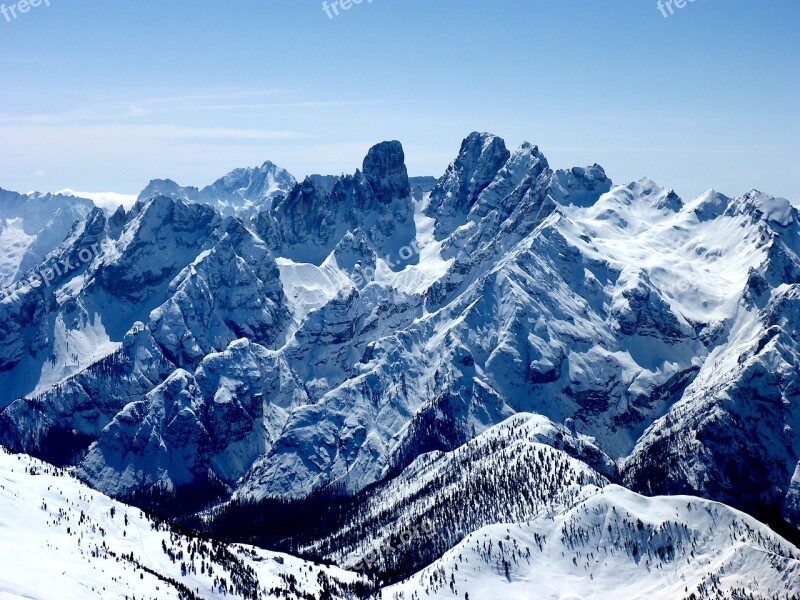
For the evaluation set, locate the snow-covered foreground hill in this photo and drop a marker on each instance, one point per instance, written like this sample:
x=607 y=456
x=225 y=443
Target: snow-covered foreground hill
x=61 y=539
x=520 y=518
x=616 y=544
x=512 y=472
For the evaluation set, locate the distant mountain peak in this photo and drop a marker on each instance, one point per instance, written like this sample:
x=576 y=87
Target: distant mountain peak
x=775 y=211
x=242 y=192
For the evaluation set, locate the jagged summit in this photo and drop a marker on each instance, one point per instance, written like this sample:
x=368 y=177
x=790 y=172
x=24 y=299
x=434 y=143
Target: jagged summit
x=481 y=156
x=580 y=186
x=777 y=212
x=310 y=221
x=709 y=205
x=385 y=169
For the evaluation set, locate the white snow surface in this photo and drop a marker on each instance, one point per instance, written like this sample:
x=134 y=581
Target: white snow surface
x=417 y=278
x=616 y=544
x=14 y=242
x=60 y=539
x=31 y=226
x=607 y=542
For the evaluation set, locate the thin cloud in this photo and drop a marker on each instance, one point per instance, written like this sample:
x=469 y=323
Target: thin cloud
x=221 y=95
x=321 y=104
x=109 y=201
x=728 y=150
x=164 y=132
x=209 y=133
x=145 y=109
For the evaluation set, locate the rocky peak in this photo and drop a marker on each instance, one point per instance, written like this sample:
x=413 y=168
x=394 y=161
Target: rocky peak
x=310 y=221
x=776 y=212
x=655 y=195
x=242 y=192
x=253 y=184
x=354 y=255
x=480 y=158
x=117 y=221
x=385 y=169
x=580 y=186
x=709 y=205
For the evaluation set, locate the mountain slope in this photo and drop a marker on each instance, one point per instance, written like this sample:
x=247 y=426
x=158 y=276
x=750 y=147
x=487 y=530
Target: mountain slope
x=513 y=471
x=735 y=428
x=511 y=514
x=63 y=539
x=617 y=544
x=167 y=311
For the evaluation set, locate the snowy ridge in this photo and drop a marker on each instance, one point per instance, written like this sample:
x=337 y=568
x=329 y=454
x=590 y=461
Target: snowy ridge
x=513 y=471
x=510 y=515
x=617 y=544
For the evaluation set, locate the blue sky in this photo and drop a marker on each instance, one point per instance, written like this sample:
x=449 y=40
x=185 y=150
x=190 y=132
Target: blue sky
x=103 y=96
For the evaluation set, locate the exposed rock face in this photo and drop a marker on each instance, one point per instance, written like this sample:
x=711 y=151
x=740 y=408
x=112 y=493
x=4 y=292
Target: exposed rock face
x=199 y=282
x=480 y=158
x=198 y=431
x=385 y=169
x=231 y=291
x=580 y=186
x=308 y=224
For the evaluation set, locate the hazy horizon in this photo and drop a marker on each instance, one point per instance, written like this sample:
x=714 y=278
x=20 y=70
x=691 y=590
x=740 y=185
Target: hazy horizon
x=102 y=98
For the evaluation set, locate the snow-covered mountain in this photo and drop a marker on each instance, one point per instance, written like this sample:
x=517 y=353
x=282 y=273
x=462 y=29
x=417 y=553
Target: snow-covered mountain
x=241 y=193
x=733 y=435
x=513 y=472
x=353 y=336
x=32 y=226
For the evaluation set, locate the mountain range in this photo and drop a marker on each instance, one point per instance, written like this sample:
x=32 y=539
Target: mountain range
x=544 y=371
